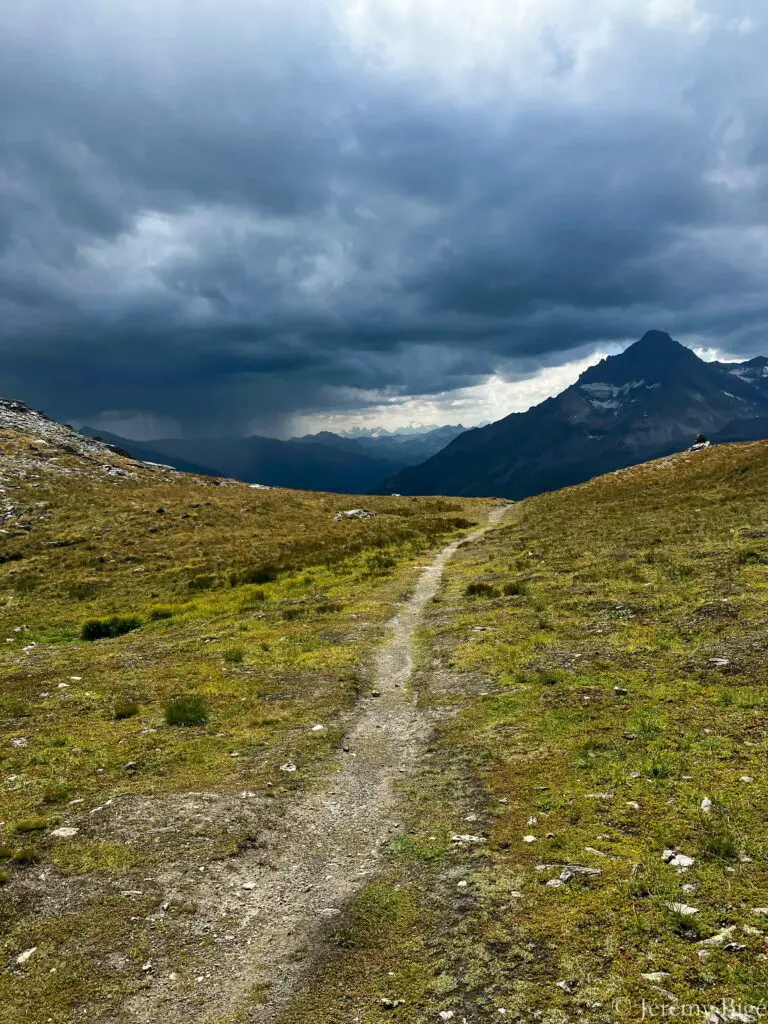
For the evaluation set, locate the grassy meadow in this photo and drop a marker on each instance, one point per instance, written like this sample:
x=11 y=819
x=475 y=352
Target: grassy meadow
x=167 y=643
x=586 y=838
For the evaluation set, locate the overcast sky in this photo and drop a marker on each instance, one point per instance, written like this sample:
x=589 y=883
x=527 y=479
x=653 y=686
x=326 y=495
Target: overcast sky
x=238 y=215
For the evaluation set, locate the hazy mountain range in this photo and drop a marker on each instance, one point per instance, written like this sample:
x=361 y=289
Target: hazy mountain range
x=318 y=462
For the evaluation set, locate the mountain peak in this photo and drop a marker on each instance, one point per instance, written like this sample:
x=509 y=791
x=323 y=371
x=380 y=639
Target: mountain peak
x=659 y=345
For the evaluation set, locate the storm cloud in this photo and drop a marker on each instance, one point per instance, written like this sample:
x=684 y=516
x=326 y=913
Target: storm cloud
x=233 y=212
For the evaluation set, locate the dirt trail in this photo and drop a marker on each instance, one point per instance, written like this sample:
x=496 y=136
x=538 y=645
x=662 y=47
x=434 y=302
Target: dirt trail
x=328 y=846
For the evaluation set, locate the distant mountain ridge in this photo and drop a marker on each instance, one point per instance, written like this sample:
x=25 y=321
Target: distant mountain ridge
x=649 y=401
x=317 y=462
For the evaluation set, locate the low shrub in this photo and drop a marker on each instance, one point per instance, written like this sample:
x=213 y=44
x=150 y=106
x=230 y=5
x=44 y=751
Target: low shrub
x=56 y=794
x=254 y=574
x=126 y=709
x=515 y=588
x=104 y=629
x=186 y=711
x=31 y=825
x=234 y=655
x=161 y=613
x=480 y=589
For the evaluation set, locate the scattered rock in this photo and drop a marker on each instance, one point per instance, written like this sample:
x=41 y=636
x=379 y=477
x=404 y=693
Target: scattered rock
x=719 y=662
x=288 y=767
x=65 y=832
x=391 y=1004
x=375 y=693
x=318 y=728
x=700 y=443
x=446 y=1015
x=354 y=513
x=19 y=741
x=462 y=839
x=620 y=691
x=720 y=937
x=744 y=778
x=655 y=976
x=248 y=886
x=706 y=805
x=760 y=911
x=566 y=986
x=633 y=805
x=529 y=839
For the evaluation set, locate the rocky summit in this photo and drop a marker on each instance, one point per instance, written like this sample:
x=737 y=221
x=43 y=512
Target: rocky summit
x=650 y=401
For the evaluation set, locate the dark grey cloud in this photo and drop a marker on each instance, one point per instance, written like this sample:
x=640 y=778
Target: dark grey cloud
x=229 y=212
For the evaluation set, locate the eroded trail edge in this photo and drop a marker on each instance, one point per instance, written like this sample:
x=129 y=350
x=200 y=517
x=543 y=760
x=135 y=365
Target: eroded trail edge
x=266 y=909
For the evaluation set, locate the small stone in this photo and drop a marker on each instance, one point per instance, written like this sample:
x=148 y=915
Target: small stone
x=375 y=693
x=620 y=691
x=675 y=859
x=633 y=805
x=503 y=800
x=288 y=767
x=734 y=947
x=683 y=909
x=462 y=884
x=318 y=728
x=18 y=742
x=706 y=805
x=718 y=662
x=529 y=839
x=744 y=778
x=461 y=839
x=391 y=1004
x=248 y=886
x=446 y=1015
x=631 y=736
x=147 y=966
x=565 y=986
x=532 y=821
x=760 y=911
x=655 y=976
x=471 y=817
x=23 y=957
x=65 y=832
x=76 y=679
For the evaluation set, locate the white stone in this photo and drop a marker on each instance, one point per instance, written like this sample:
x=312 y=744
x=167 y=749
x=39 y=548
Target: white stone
x=23 y=957
x=65 y=832
x=682 y=909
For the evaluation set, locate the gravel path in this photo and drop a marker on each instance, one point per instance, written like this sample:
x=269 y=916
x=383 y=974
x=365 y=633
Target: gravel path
x=328 y=846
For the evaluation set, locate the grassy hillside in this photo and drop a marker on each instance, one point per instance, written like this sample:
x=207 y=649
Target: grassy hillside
x=600 y=664
x=244 y=621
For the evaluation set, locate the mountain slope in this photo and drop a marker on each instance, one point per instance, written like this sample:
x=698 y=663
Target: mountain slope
x=649 y=401
x=297 y=464
x=254 y=616
x=603 y=658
